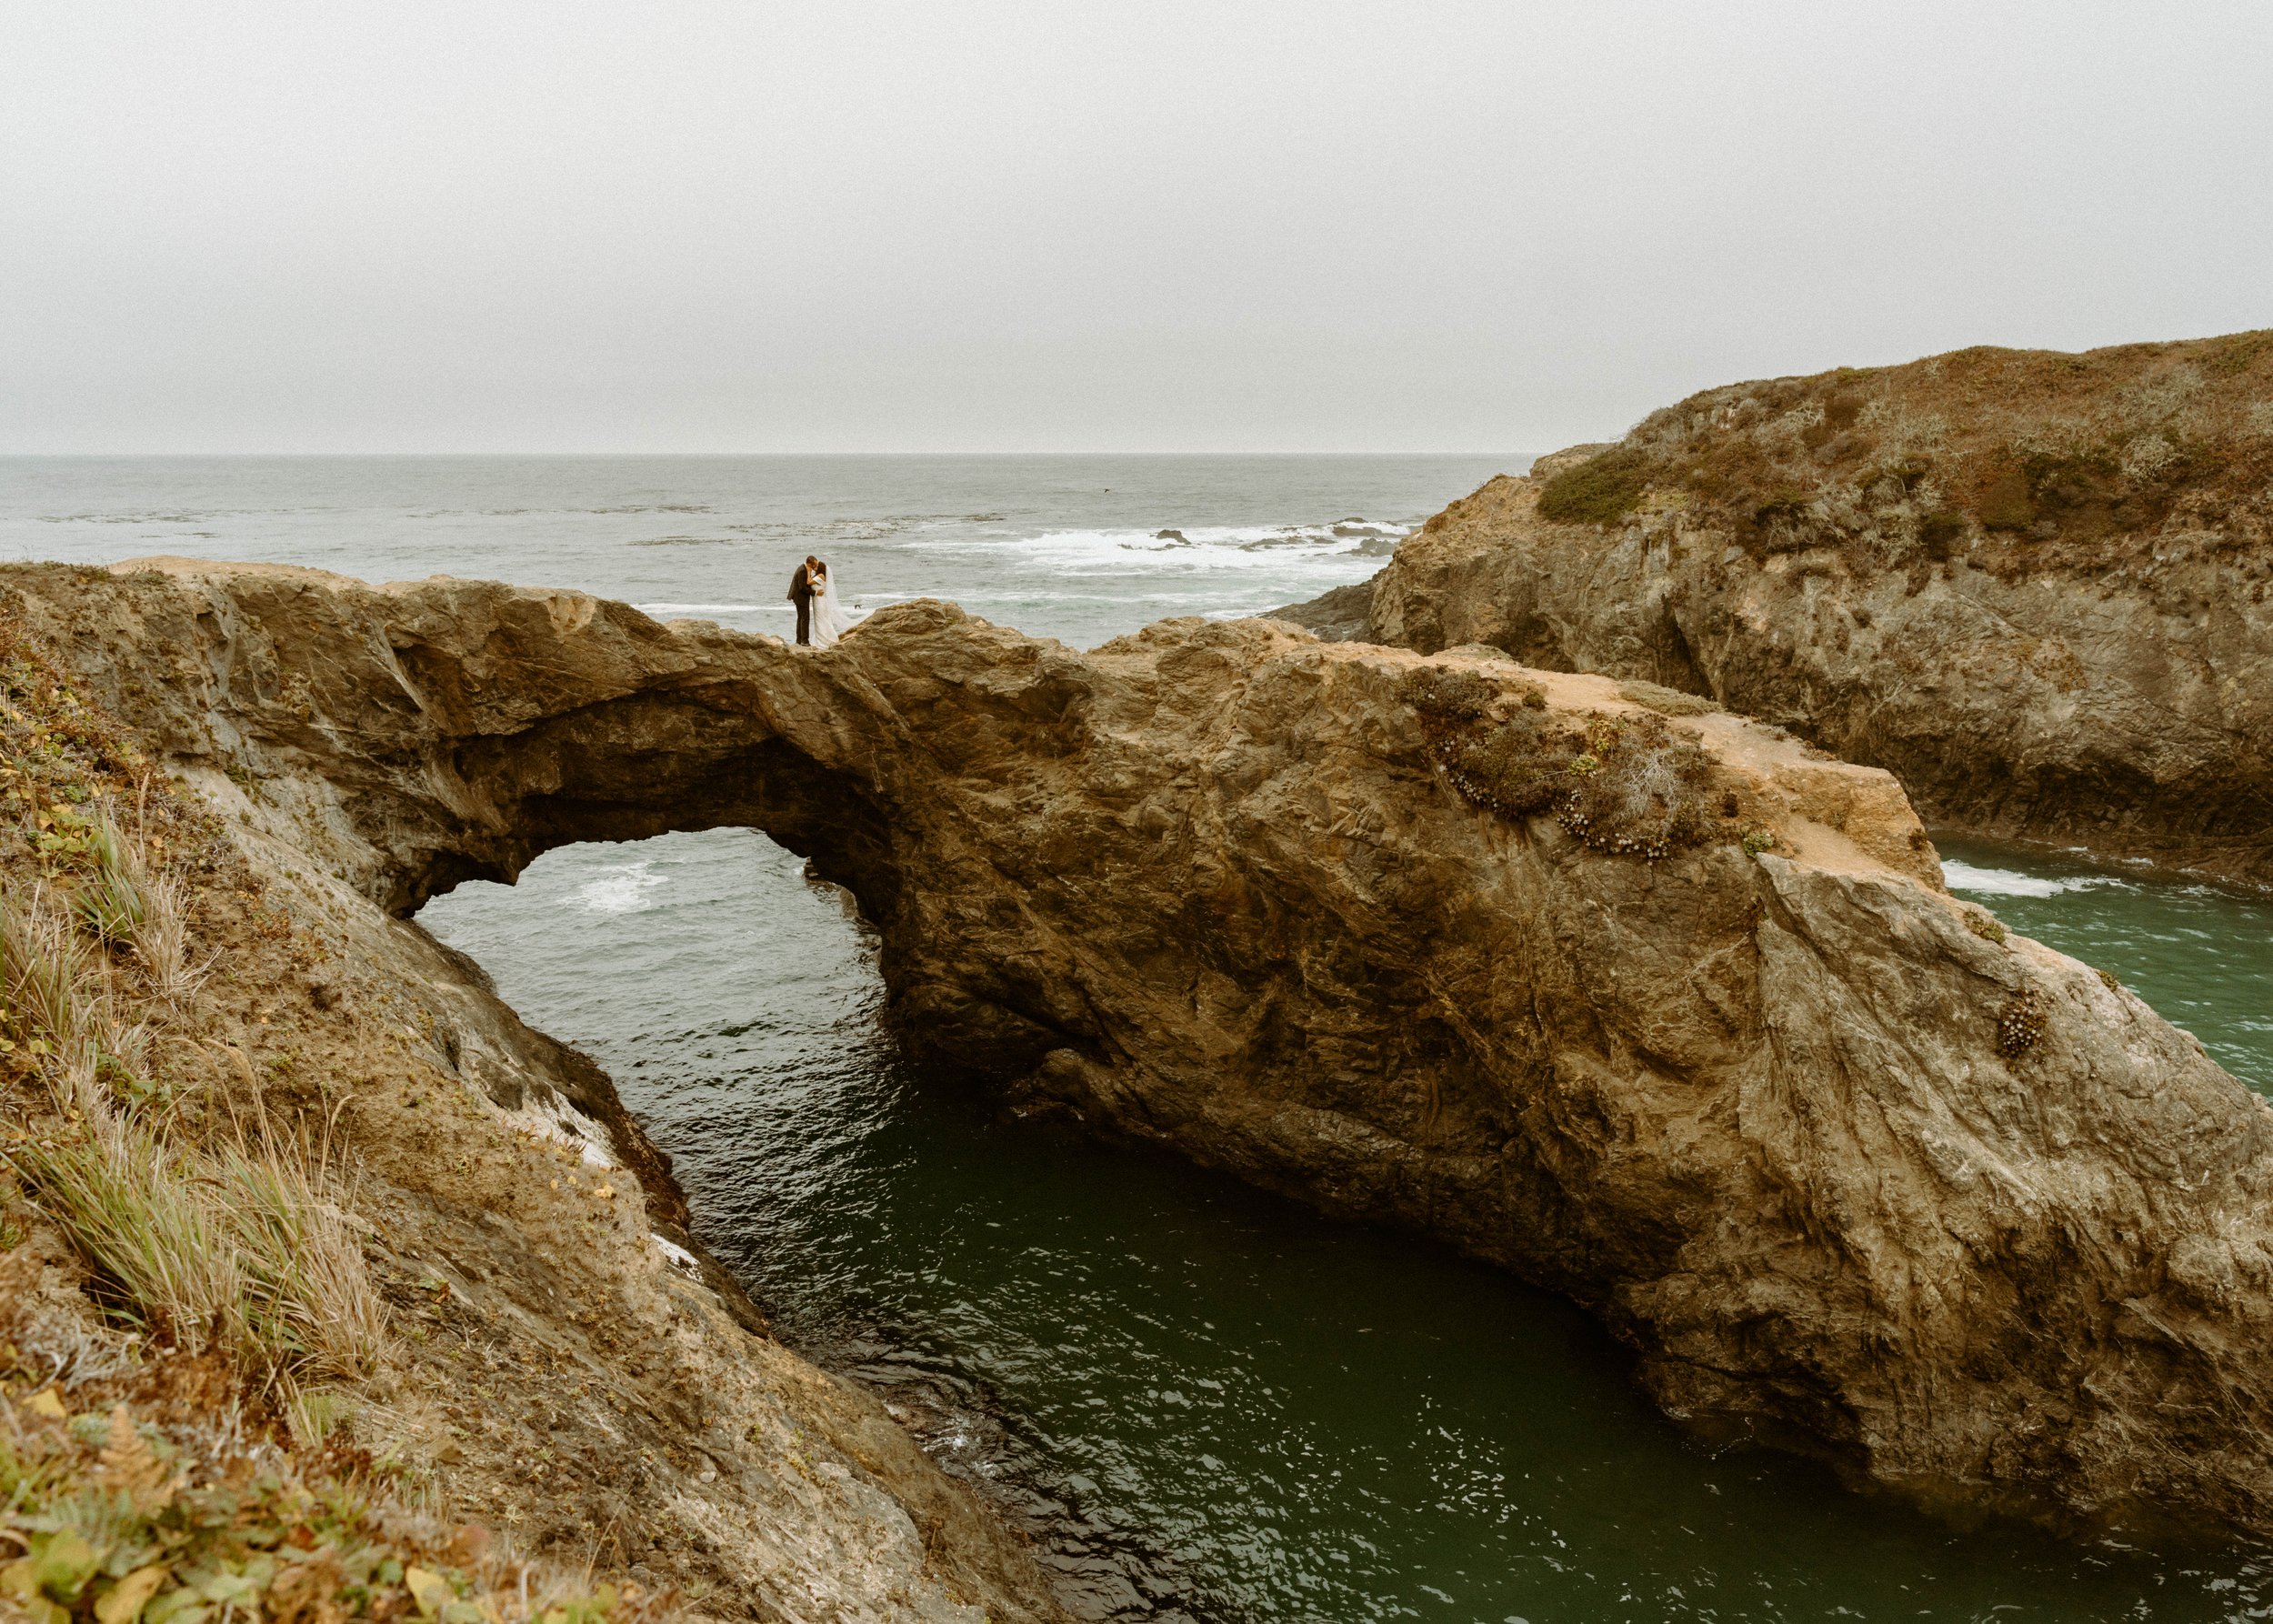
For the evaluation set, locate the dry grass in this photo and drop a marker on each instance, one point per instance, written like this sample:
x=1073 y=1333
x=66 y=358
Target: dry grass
x=236 y=1240
x=163 y=943
x=53 y=980
x=241 y=1249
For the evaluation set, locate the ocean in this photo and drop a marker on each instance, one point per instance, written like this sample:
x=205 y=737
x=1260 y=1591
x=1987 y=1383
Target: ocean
x=1208 y=1403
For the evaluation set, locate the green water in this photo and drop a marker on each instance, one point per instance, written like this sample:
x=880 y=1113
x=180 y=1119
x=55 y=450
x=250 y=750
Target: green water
x=2201 y=954
x=1214 y=1404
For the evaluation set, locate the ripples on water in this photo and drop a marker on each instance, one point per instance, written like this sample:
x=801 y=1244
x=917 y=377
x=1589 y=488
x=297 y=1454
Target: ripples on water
x=1220 y=1405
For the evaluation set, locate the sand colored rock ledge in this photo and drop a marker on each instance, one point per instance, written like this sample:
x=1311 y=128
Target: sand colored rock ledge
x=1761 y=1105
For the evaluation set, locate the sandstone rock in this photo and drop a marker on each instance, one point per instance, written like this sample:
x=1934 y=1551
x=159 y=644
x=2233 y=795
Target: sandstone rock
x=1758 y=1106
x=1968 y=570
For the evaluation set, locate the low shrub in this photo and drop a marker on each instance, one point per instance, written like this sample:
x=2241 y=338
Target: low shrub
x=1601 y=491
x=1447 y=696
x=1631 y=786
x=1646 y=796
x=1517 y=768
x=122 y=1520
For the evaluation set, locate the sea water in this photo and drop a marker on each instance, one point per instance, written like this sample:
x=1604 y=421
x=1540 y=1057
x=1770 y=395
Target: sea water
x=1078 y=547
x=1207 y=1402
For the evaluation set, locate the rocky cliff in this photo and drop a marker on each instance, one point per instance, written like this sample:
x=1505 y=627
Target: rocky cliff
x=1652 y=1005
x=560 y=1363
x=2032 y=585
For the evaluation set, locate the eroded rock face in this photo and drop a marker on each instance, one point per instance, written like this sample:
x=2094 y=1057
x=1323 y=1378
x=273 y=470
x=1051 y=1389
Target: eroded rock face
x=2033 y=586
x=1207 y=886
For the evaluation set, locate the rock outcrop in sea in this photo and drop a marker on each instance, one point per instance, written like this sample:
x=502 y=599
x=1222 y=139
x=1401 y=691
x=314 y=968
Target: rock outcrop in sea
x=1653 y=1004
x=2032 y=585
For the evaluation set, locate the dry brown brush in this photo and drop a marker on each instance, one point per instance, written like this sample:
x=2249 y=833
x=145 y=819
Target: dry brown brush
x=1633 y=786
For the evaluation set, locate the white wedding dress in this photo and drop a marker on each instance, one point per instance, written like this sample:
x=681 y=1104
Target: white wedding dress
x=831 y=619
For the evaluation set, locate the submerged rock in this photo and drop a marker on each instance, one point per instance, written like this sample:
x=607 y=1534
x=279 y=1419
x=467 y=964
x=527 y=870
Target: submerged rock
x=1375 y=930
x=2032 y=585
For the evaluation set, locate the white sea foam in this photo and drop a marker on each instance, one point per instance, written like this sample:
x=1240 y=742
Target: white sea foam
x=620 y=890
x=2008 y=882
x=1190 y=549
x=779 y=608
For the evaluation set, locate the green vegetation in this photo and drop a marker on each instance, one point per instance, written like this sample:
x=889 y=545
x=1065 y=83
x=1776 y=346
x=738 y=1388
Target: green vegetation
x=238 y=1249
x=1630 y=786
x=1600 y=491
x=1648 y=794
x=2017 y=460
x=1985 y=924
x=113 y=898
x=226 y=1320
x=125 y=1522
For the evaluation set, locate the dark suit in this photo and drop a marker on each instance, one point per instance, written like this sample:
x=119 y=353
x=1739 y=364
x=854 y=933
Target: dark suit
x=801 y=595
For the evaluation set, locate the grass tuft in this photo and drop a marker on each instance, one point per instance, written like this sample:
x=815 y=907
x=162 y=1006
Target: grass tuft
x=238 y=1250
x=113 y=900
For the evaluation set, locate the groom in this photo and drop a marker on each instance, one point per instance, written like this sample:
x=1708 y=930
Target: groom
x=801 y=595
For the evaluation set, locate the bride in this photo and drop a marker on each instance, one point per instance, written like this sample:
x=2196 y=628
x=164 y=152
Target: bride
x=831 y=619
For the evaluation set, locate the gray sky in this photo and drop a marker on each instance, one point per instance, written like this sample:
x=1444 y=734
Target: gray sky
x=478 y=225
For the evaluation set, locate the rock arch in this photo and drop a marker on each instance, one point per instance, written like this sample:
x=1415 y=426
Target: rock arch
x=1205 y=885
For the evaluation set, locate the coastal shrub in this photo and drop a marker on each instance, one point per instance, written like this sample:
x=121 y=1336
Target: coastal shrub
x=1631 y=786
x=1757 y=841
x=128 y=1520
x=1939 y=532
x=1601 y=491
x=1648 y=794
x=1447 y=696
x=1985 y=924
x=1516 y=767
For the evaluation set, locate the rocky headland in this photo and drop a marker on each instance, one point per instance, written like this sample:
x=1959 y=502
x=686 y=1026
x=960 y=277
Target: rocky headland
x=1651 y=1004
x=536 y=1397
x=2032 y=585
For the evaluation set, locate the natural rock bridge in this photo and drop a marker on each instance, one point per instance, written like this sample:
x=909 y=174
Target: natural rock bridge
x=1207 y=886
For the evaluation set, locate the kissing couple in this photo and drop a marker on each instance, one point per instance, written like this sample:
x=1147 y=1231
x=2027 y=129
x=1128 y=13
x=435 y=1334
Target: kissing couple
x=821 y=616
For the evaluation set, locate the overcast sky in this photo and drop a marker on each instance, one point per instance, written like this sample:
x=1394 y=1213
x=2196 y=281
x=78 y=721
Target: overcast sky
x=673 y=225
